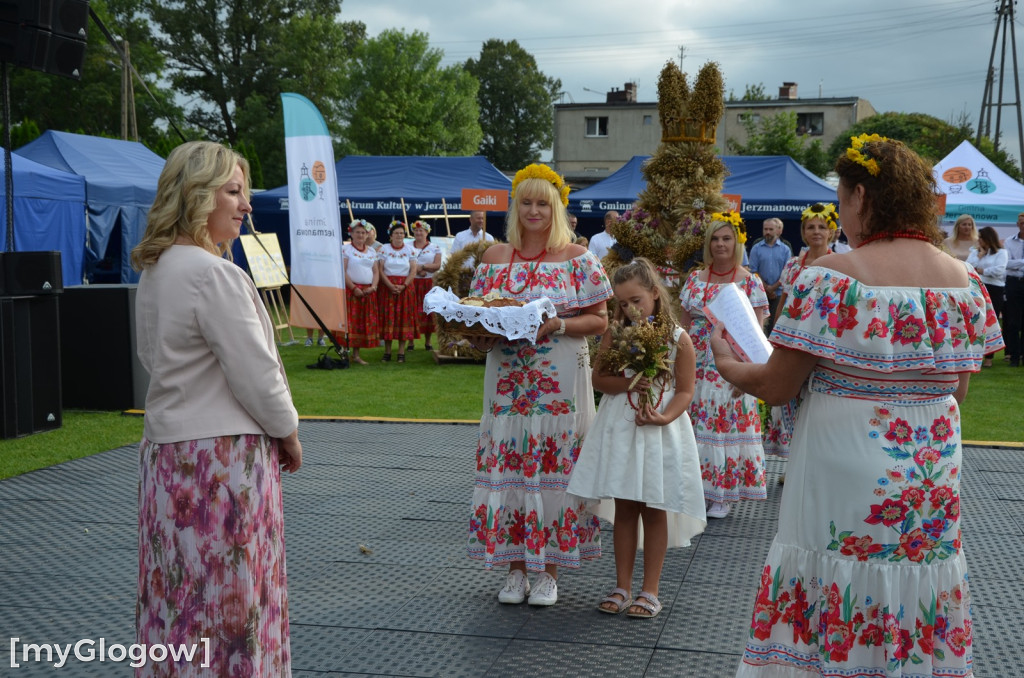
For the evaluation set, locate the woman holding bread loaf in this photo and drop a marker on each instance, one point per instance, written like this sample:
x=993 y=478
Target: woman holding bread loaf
x=538 y=400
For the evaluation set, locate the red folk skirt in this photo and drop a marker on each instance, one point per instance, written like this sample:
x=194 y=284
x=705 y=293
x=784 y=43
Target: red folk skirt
x=397 y=311
x=363 y=319
x=424 y=320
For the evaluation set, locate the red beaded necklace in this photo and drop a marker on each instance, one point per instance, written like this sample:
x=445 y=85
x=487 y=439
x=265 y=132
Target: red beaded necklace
x=358 y=248
x=711 y=272
x=530 y=274
x=911 y=235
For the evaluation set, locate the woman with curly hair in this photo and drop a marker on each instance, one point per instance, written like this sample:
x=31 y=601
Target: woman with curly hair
x=866 y=575
x=727 y=424
x=219 y=428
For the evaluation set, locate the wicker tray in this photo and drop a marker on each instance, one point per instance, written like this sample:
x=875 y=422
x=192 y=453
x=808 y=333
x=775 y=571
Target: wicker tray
x=503 y=318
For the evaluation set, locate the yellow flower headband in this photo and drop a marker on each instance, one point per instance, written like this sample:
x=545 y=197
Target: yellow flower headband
x=539 y=171
x=396 y=224
x=420 y=224
x=826 y=211
x=733 y=219
x=855 y=154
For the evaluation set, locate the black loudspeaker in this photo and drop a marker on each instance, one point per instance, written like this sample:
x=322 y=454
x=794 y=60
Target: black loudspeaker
x=31 y=273
x=44 y=35
x=98 y=350
x=63 y=17
x=30 y=365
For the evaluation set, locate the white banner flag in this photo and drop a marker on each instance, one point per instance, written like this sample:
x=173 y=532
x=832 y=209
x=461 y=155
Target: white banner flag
x=314 y=216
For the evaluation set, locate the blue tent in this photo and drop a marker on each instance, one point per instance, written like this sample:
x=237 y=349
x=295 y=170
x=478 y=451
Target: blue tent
x=120 y=185
x=375 y=186
x=49 y=213
x=770 y=186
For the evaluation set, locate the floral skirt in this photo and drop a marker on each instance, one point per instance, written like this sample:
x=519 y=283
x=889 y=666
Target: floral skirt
x=363 y=319
x=397 y=311
x=211 y=556
x=538 y=405
x=424 y=320
x=867 y=575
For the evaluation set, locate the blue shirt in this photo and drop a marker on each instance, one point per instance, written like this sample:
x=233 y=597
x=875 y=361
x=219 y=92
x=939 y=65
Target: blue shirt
x=768 y=260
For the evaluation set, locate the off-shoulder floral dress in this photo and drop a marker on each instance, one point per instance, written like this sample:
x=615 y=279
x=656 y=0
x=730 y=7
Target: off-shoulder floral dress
x=866 y=575
x=778 y=427
x=727 y=427
x=538 y=405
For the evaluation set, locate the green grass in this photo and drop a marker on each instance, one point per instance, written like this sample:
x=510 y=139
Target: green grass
x=421 y=389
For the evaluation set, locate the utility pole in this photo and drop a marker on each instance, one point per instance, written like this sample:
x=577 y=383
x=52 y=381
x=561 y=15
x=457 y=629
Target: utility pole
x=1004 y=18
x=682 y=55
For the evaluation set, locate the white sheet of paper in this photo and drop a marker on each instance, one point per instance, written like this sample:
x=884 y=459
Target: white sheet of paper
x=732 y=308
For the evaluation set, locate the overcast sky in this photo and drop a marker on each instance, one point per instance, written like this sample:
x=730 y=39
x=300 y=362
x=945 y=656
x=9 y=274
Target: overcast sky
x=907 y=56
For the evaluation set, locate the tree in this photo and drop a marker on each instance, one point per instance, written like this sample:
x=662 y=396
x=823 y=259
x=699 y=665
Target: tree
x=515 y=104
x=932 y=138
x=751 y=93
x=401 y=102
x=233 y=59
x=92 y=105
x=777 y=135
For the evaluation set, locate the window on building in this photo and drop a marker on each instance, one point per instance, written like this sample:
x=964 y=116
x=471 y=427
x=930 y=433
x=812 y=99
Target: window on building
x=748 y=117
x=597 y=127
x=810 y=123
x=648 y=119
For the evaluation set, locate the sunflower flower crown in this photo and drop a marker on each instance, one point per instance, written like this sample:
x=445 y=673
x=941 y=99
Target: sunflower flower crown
x=540 y=171
x=826 y=211
x=363 y=223
x=420 y=224
x=734 y=220
x=862 y=157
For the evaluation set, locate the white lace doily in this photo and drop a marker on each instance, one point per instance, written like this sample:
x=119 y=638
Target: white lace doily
x=511 y=322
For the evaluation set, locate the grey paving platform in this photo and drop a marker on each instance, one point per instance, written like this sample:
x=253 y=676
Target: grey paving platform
x=416 y=606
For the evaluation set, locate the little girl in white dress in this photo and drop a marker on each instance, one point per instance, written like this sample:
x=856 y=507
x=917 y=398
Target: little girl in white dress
x=644 y=456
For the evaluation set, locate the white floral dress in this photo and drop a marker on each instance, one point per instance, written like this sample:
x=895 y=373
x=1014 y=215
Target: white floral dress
x=728 y=428
x=778 y=428
x=538 y=405
x=866 y=575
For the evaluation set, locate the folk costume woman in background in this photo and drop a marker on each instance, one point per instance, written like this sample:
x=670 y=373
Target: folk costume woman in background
x=362 y=278
x=726 y=423
x=818 y=229
x=428 y=261
x=396 y=298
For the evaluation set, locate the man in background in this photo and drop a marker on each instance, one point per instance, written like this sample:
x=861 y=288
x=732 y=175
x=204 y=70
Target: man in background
x=477 y=231
x=768 y=256
x=603 y=241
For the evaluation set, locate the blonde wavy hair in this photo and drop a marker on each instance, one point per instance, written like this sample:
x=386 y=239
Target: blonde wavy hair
x=186 y=194
x=559 y=235
x=714 y=227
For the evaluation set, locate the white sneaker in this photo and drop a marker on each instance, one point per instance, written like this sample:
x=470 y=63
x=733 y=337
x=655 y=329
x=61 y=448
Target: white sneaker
x=545 y=592
x=323 y=341
x=309 y=341
x=718 y=510
x=516 y=588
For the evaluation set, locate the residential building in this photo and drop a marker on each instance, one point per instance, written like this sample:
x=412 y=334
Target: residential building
x=593 y=140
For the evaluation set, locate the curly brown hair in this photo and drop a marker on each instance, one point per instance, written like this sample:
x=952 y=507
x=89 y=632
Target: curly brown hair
x=902 y=195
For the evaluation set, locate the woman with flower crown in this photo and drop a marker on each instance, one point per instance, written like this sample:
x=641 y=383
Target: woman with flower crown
x=866 y=575
x=362 y=278
x=428 y=261
x=396 y=297
x=818 y=228
x=538 y=399
x=726 y=423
